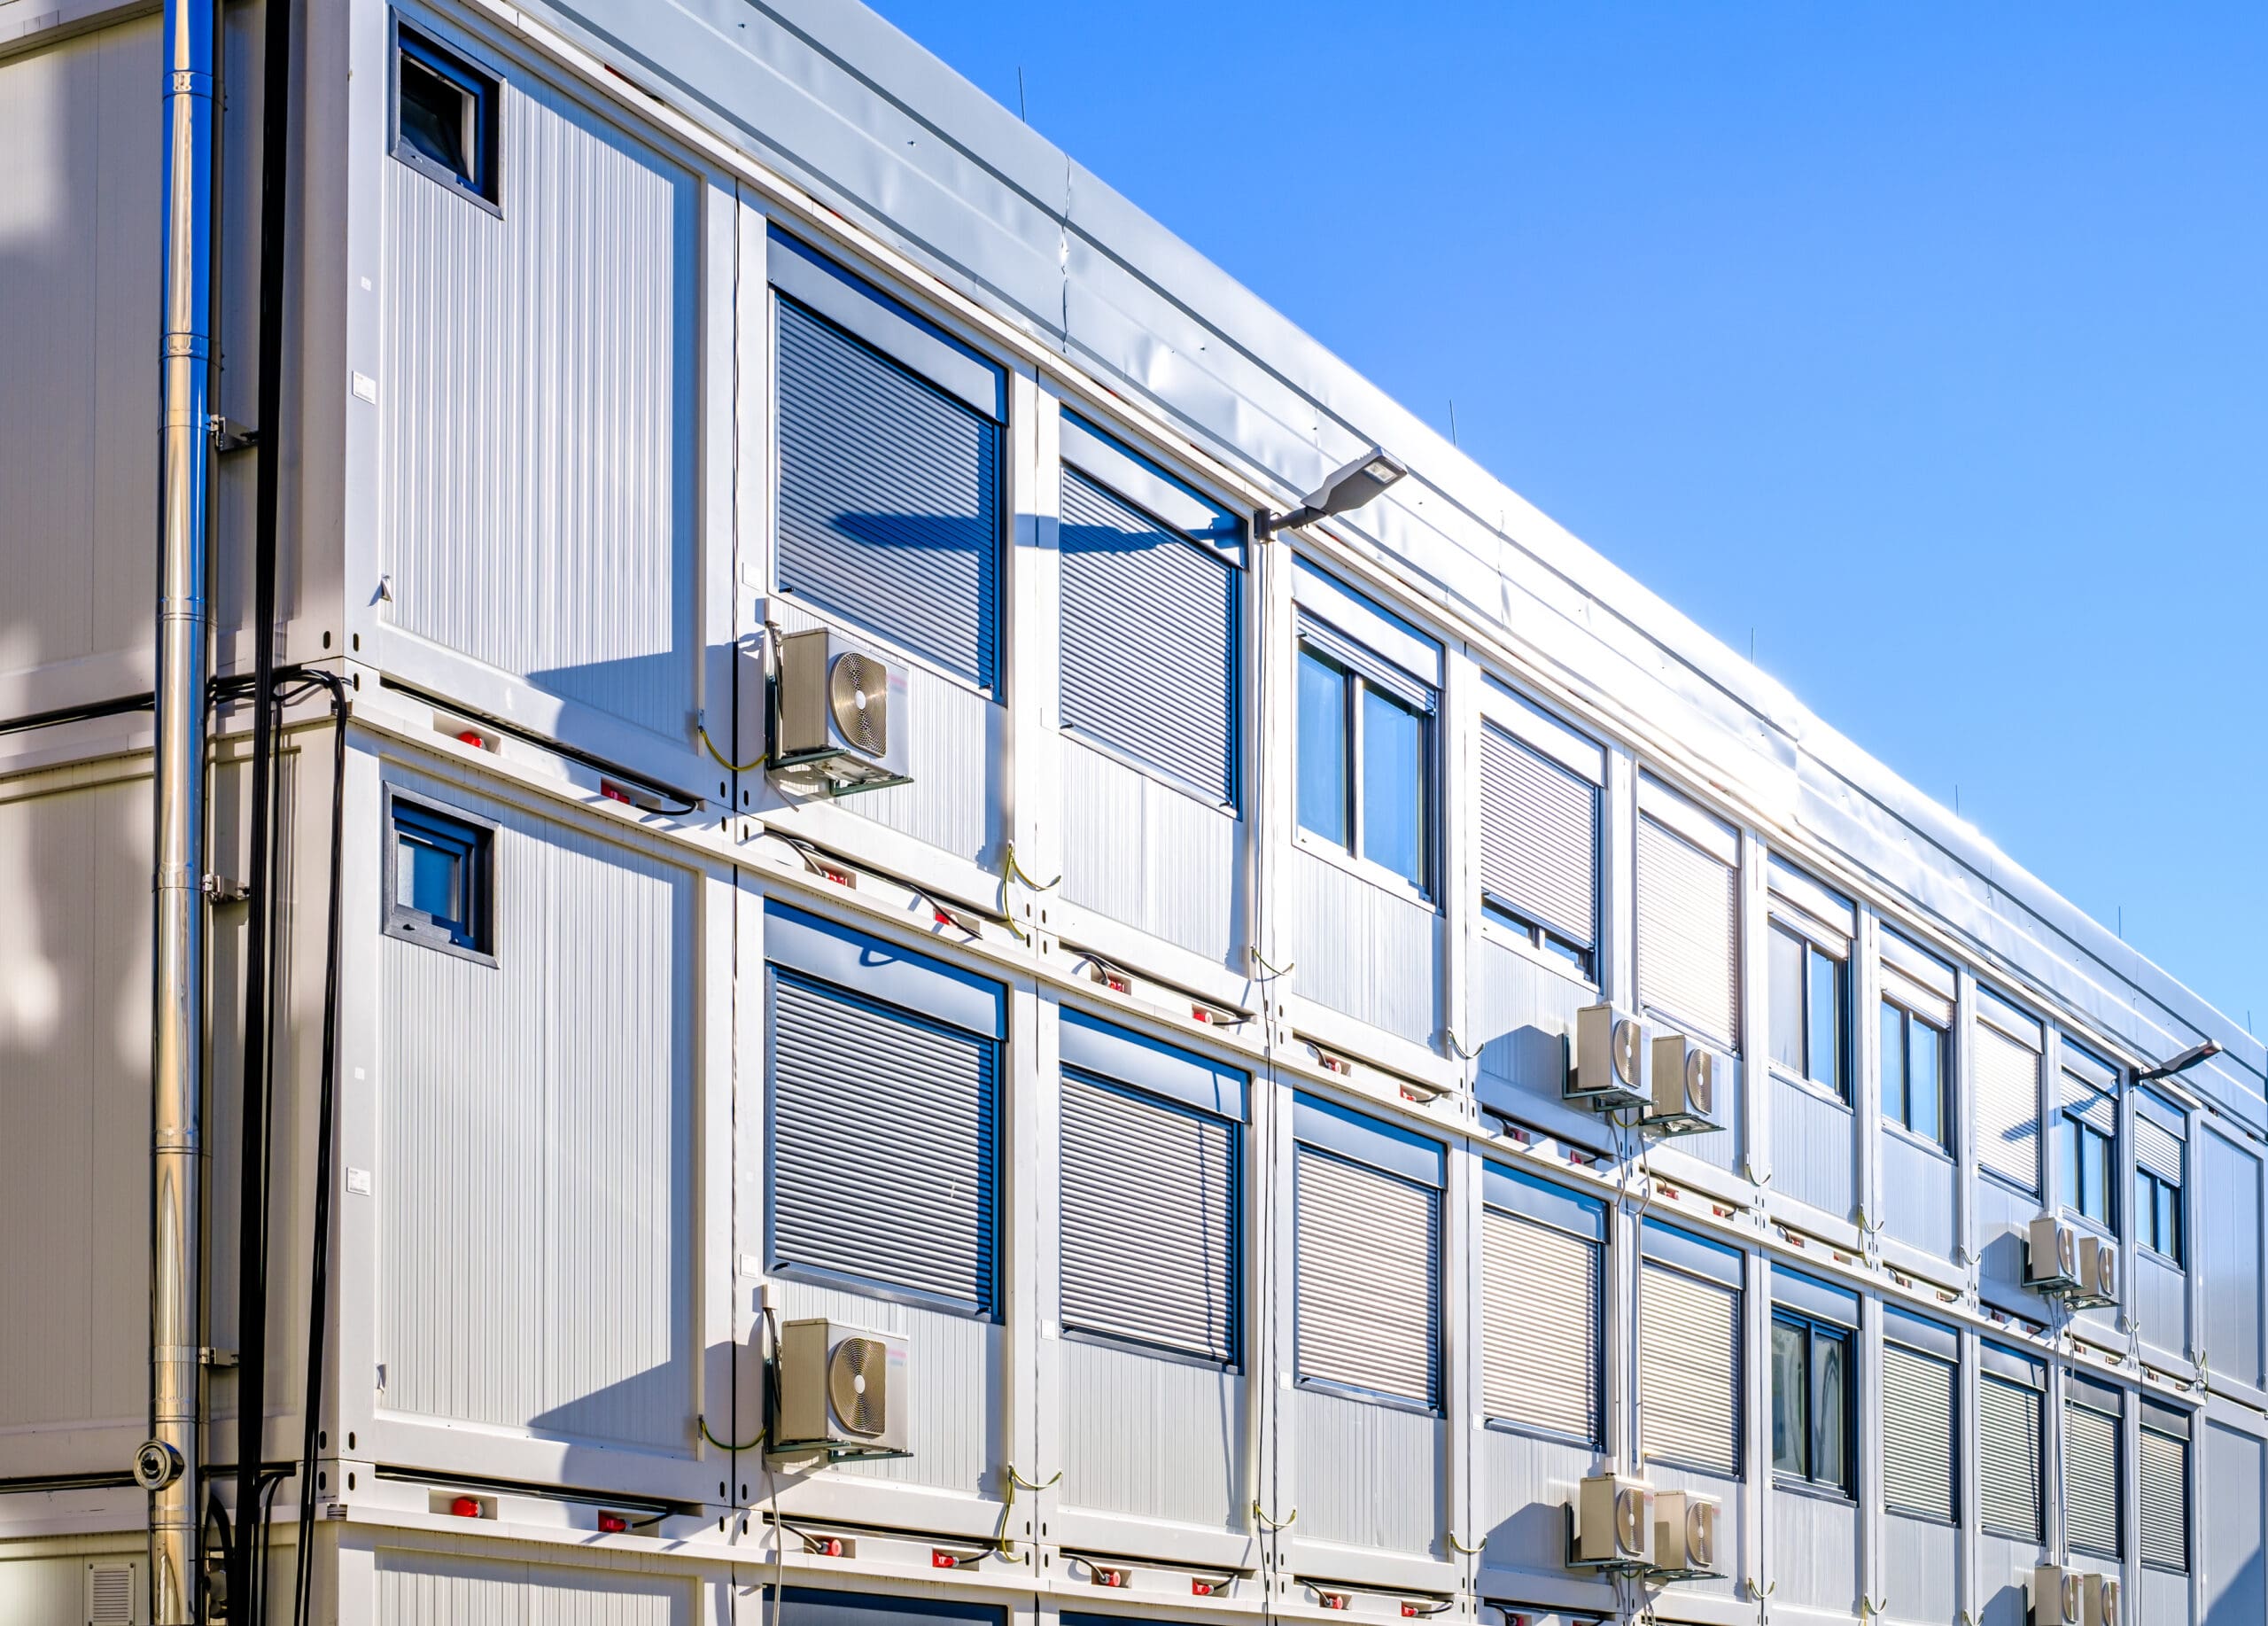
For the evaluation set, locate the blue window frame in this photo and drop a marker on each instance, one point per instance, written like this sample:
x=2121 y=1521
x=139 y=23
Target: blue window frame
x=446 y=118
x=1914 y=1074
x=1813 y=1401
x=439 y=877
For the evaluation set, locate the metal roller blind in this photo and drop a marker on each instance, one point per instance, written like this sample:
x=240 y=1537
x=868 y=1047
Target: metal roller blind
x=1917 y=1438
x=1539 y=837
x=1689 y=1369
x=1149 y=1219
x=2008 y=1108
x=884 y=1157
x=2165 y=1500
x=2091 y=1480
x=1149 y=638
x=2090 y=1106
x=2157 y=1150
x=1689 y=931
x=889 y=498
x=1927 y=1003
x=2010 y=1423
x=1367 y=1276
x=1539 y=1325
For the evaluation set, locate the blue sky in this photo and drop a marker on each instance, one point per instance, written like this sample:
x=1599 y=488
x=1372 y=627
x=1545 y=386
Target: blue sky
x=1926 y=346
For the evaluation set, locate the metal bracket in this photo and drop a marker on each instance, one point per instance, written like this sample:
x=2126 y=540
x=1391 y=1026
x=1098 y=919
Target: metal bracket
x=225 y=889
x=230 y=436
x=219 y=1360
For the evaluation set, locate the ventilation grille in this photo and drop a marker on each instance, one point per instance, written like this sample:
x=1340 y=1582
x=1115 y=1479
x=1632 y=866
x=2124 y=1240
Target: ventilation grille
x=858 y=1382
x=110 y=1594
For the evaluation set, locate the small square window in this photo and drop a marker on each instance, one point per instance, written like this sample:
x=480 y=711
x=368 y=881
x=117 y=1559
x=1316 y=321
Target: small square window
x=445 y=116
x=439 y=879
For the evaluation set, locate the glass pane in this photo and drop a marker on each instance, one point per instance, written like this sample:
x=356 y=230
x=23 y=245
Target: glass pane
x=1394 y=785
x=434 y=116
x=2068 y=1152
x=1786 y=996
x=1790 y=1387
x=2168 y=1212
x=1925 y=1086
x=429 y=879
x=1893 y=1065
x=1322 y=748
x=1826 y=982
x=1834 y=1409
x=2097 y=1176
x=2146 y=1219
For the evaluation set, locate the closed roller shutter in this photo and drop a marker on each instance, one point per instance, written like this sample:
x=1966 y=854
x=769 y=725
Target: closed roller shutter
x=2091 y=1106
x=2165 y=1500
x=1927 y=1003
x=2158 y=1152
x=1149 y=638
x=2008 y=1108
x=1539 y=837
x=884 y=1160
x=1688 y=933
x=889 y=498
x=1539 y=1324
x=2091 y=1480
x=1149 y=1217
x=1917 y=1437
x=1689 y=1369
x=2009 y=1420
x=1368 y=1270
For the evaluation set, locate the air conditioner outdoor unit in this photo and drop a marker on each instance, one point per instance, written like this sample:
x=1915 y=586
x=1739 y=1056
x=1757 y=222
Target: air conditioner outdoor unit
x=840 y=720
x=2098 y=1597
x=1685 y=1537
x=1683 y=1080
x=2051 y=1256
x=2098 y=1283
x=1611 y=1058
x=2056 y=1593
x=839 y=1392
x=1612 y=1524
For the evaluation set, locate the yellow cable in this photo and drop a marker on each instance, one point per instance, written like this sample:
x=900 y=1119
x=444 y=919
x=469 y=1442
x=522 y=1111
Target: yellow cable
x=726 y=1446
x=737 y=767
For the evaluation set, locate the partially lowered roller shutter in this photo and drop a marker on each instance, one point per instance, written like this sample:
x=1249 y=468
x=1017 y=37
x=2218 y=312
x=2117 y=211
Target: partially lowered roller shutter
x=2157 y=1150
x=1689 y=918
x=1688 y=1358
x=1917 y=1433
x=2008 y=1108
x=1541 y=1268
x=2164 y=1493
x=1149 y=619
x=884 y=1155
x=1149 y=1219
x=1366 y=1264
x=2011 y=1418
x=1539 y=837
x=889 y=508
x=2091 y=1480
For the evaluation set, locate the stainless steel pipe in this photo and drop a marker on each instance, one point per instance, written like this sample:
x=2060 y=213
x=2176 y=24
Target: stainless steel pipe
x=168 y=1466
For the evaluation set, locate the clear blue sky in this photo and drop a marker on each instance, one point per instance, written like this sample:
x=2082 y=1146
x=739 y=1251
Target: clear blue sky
x=1927 y=345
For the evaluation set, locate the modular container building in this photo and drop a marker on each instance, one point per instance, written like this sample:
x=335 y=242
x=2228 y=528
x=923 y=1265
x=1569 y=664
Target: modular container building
x=1130 y=1133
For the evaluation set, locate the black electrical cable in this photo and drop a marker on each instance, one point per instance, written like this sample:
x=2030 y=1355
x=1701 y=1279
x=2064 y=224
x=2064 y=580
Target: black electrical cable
x=247 y=1555
x=93 y=709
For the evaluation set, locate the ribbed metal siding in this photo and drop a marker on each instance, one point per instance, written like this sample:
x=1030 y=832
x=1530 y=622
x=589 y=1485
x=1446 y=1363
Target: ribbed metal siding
x=2091 y=1480
x=1149 y=1217
x=1689 y=1369
x=1689 y=931
x=1149 y=638
x=1539 y=1325
x=889 y=499
x=884 y=1162
x=1917 y=1441
x=2010 y=1423
x=1368 y=1278
x=2165 y=1500
x=2008 y=1108
x=1539 y=837
x=2156 y=1151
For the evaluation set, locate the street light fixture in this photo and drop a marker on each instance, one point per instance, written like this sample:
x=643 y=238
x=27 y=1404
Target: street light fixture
x=1350 y=488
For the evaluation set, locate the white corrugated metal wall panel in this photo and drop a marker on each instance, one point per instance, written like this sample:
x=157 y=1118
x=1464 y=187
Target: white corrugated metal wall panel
x=435 y=1589
x=1539 y=1324
x=544 y=1106
x=1519 y=1481
x=1814 y=1551
x=2091 y=1480
x=1368 y=1264
x=538 y=393
x=1917 y=1435
x=1346 y=1450
x=1689 y=933
x=2164 y=1479
x=2227 y=1209
x=1149 y=1217
x=1143 y=854
x=1539 y=836
x=1920 y=1561
x=1917 y=1196
x=1360 y=948
x=2008 y=1108
x=1811 y=1149
x=74 y=1106
x=1522 y=1012
x=1689 y=1368
x=2009 y=1454
x=80 y=200
x=1156 y=1439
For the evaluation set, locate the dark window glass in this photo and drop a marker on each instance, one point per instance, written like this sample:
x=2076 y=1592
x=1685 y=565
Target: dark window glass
x=1832 y=1352
x=1394 y=783
x=437 y=891
x=2088 y=1158
x=445 y=115
x=1824 y=1040
x=1807 y=998
x=1894 y=1105
x=1365 y=748
x=1324 y=805
x=1790 y=1400
x=2157 y=1214
x=1925 y=1086
x=1812 y=1405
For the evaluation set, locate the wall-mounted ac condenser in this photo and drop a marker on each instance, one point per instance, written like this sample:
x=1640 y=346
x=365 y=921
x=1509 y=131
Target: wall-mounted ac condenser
x=1682 y=1083
x=2099 y=1599
x=1612 y=1524
x=2051 y=1256
x=2056 y=1596
x=2098 y=1275
x=840 y=719
x=1610 y=1061
x=839 y=1392
x=1685 y=1537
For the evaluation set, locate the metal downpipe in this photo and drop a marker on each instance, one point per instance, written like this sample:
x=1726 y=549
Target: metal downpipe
x=168 y=1466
